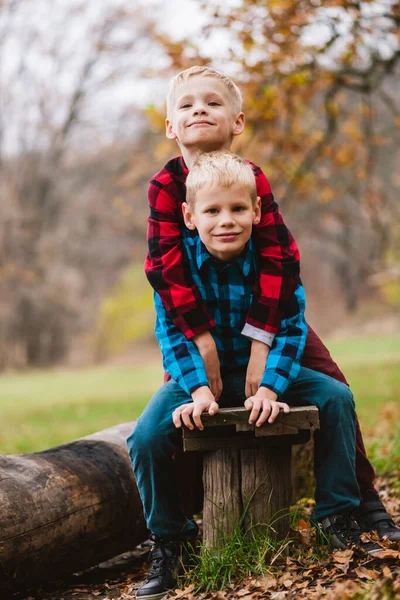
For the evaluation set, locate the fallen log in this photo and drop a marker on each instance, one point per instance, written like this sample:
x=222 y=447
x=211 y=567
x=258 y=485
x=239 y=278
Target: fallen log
x=67 y=508
x=71 y=507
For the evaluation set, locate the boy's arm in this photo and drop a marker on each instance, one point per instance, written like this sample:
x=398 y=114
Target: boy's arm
x=182 y=360
x=283 y=364
x=279 y=263
x=165 y=268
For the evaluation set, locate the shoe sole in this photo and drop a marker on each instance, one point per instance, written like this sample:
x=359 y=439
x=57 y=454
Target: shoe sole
x=154 y=596
x=371 y=548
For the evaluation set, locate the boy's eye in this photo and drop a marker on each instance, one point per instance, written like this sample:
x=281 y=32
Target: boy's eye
x=212 y=211
x=213 y=103
x=186 y=105
x=239 y=208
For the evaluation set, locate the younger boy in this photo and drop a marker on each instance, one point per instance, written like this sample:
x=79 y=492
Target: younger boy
x=222 y=207
x=204 y=113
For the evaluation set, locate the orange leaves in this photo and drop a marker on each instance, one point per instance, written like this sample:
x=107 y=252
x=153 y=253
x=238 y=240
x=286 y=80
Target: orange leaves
x=304 y=532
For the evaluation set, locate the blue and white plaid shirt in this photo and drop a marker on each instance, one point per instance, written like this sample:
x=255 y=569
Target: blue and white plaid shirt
x=226 y=289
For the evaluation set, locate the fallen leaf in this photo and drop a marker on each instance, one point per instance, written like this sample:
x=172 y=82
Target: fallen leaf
x=305 y=537
x=284 y=578
x=301 y=524
x=371 y=537
x=387 y=554
x=387 y=572
x=267 y=582
x=184 y=593
x=343 y=556
x=364 y=573
x=279 y=595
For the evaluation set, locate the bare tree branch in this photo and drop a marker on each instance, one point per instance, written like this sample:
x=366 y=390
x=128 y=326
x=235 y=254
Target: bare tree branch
x=314 y=152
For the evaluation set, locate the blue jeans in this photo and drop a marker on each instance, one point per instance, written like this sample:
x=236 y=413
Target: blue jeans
x=155 y=439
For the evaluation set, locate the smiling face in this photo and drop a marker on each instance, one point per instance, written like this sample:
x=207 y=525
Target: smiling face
x=202 y=117
x=224 y=218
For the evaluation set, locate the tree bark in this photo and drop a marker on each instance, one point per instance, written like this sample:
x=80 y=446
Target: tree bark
x=67 y=508
x=223 y=505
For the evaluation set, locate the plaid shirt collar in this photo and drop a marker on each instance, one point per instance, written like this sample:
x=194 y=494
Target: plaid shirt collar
x=244 y=262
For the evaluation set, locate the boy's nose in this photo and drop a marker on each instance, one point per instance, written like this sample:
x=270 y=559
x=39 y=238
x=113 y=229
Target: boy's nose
x=226 y=219
x=199 y=109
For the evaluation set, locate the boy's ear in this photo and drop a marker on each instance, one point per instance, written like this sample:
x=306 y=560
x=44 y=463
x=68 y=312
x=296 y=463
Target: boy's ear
x=238 y=126
x=188 y=216
x=168 y=130
x=257 y=211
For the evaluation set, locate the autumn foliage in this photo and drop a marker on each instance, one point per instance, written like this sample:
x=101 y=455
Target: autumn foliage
x=320 y=87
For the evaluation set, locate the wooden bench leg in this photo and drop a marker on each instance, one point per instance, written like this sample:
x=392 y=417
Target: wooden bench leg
x=257 y=479
x=222 y=497
x=266 y=489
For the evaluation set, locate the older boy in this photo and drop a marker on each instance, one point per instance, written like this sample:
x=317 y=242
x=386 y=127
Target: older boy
x=204 y=113
x=222 y=207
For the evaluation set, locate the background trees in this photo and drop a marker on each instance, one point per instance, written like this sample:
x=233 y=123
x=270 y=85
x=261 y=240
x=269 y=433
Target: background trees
x=320 y=84
x=65 y=222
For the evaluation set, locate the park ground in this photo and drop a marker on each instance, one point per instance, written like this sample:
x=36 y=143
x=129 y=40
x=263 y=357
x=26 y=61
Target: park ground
x=42 y=409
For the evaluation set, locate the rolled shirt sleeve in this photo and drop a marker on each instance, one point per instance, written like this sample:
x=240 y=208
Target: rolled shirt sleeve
x=283 y=363
x=181 y=358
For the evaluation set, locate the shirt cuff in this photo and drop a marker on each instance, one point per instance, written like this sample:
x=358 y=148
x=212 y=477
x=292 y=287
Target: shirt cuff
x=199 y=385
x=275 y=382
x=267 y=337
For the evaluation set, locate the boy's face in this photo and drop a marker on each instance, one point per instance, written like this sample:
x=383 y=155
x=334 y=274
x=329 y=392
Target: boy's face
x=224 y=218
x=202 y=116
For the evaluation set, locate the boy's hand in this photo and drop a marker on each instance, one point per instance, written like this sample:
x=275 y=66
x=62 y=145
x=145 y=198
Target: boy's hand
x=264 y=404
x=203 y=400
x=256 y=367
x=208 y=352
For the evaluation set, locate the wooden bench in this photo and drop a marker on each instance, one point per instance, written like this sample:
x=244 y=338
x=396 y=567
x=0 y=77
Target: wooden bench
x=247 y=469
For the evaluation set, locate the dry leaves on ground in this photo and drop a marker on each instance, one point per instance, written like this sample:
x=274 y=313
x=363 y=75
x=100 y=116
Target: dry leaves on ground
x=303 y=573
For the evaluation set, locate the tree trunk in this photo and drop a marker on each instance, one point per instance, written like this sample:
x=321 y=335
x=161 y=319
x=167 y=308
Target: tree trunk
x=67 y=508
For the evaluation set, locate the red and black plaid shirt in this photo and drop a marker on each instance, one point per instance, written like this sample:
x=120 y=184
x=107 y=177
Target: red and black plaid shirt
x=170 y=276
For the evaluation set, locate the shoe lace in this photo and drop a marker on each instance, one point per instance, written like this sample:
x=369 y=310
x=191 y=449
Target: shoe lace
x=348 y=527
x=163 y=556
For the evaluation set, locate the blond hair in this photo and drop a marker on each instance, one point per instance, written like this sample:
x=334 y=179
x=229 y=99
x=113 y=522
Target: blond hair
x=222 y=168
x=235 y=96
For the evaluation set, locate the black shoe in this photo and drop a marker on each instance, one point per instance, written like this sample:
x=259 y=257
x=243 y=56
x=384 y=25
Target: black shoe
x=372 y=516
x=167 y=558
x=343 y=532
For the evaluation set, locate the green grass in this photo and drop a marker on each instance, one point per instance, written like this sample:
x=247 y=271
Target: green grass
x=244 y=553
x=41 y=409
x=371 y=365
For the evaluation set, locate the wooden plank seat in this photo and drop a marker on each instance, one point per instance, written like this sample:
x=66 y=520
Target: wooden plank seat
x=247 y=469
